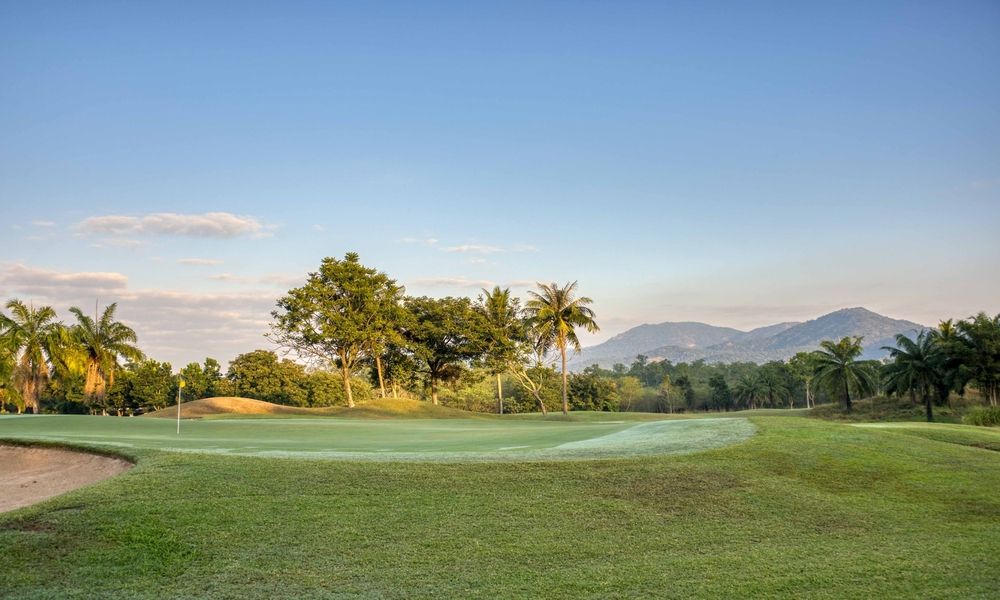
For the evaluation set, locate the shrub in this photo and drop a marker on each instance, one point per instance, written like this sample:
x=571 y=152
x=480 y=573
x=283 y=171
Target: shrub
x=985 y=416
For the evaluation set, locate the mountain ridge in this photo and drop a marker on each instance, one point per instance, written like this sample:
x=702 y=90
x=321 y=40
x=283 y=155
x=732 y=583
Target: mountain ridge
x=687 y=341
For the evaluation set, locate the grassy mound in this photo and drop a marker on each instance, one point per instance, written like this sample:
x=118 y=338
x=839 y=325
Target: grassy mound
x=376 y=409
x=886 y=409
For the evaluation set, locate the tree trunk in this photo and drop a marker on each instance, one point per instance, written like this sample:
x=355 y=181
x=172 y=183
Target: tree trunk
x=928 y=405
x=499 y=395
x=395 y=388
x=378 y=368
x=541 y=404
x=346 y=374
x=434 y=390
x=565 y=380
x=847 y=395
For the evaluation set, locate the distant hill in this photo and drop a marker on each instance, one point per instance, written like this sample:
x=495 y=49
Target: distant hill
x=686 y=342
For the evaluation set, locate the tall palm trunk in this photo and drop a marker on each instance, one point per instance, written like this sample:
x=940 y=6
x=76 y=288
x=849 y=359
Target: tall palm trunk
x=928 y=405
x=565 y=379
x=499 y=395
x=847 y=395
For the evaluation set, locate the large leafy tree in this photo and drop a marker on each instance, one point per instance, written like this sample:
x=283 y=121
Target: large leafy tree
x=802 y=368
x=836 y=365
x=146 y=384
x=555 y=313
x=338 y=316
x=444 y=335
x=503 y=327
x=528 y=366
x=385 y=329
x=31 y=334
x=261 y=375
x=980 y=353
x=104 y=341
x=201 y=381
x=917 y=364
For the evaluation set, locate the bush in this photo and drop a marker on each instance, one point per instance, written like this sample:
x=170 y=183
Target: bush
x=985 y=416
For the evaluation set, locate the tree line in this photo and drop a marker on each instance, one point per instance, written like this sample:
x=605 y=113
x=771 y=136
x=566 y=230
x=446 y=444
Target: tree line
x=351 y=333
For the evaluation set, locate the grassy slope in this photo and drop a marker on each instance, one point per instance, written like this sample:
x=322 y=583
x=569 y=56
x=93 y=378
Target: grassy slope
x=805 y=509
x=377 y=409
x=987 y=438
x=889 y=409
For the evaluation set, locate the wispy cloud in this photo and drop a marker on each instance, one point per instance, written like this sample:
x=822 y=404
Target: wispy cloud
x=22 y=279
x=209 y=225
x=423 y=241
x=42 y=223
x=278 y=280
x=463 y=282
x=199 y=262
x=452 y=282
x=173 y=326
x=475 y=249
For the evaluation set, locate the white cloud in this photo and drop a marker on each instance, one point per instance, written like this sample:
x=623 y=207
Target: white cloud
x=475 y=248
x=117 y=243
x=24 y=280
x=278 y=280
x=453 y=282
x=211 y=225
x=428 y=241
x=42 y=223
x=179 y=327
x=199 y=262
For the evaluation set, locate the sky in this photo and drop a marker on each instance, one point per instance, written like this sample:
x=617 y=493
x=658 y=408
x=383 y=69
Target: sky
x=736 y=163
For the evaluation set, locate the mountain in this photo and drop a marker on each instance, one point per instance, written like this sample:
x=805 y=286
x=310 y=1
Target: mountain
x=686 y=342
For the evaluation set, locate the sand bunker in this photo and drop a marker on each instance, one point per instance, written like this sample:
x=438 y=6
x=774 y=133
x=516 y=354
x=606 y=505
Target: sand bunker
x=29 y=475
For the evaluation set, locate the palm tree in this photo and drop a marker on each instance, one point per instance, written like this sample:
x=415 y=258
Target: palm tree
x=104 y=341
x=30 y=334
x=775 y=386
x=8 y=362
x=837 y=366
x=555 y=314
x=918 y=363
x=749 y=389
x=502 y=316
x=980 y=351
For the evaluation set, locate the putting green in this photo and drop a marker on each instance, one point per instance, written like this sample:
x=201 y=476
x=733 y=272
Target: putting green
x=388 y=440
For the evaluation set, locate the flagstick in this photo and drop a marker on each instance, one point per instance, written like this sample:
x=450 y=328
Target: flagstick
x=180 y=384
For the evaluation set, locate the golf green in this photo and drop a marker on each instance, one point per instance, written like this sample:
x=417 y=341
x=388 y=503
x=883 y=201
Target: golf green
x=383 y=439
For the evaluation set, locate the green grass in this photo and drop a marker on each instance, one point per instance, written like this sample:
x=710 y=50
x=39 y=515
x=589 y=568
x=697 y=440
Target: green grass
x=888 y=409
x=385 y=439
x=804 y=509
x=965 y=435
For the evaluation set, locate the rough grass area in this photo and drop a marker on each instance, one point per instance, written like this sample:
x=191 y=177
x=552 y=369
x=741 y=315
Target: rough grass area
x=376 y=409
x=804 y=509
x=965 y=435
x=888 y=409
x=384 y=439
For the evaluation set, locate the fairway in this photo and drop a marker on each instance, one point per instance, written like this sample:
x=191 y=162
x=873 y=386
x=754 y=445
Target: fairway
x=396 y=440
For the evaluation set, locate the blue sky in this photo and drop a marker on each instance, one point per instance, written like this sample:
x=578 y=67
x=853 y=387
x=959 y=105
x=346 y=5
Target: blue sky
x=733 y=163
